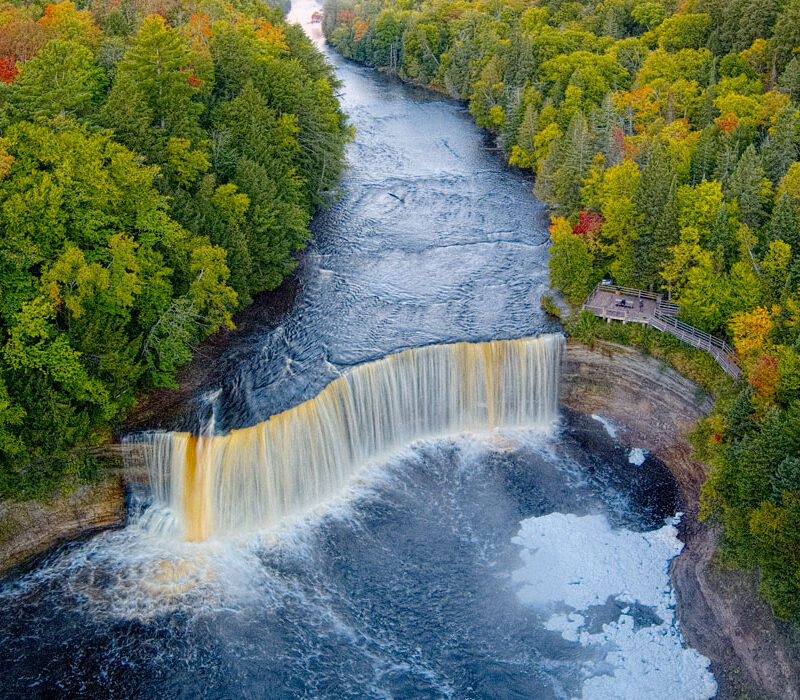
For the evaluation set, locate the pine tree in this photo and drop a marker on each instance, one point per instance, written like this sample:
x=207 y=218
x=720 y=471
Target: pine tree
x=728 y=154
x=785 y=33
x=258 y=148
x=156 y=73
x=783 y=225
x=667 y=231
x=605 y=124
x=651 y=196
x=528 y=128
x=740 y=415
x=544 y=186
x=63 y=79
x=655 y=185
x=780 y=150
x=704 y=159
x=720 y=238
x=749 y=185
x=575 y=157
x=789 y=82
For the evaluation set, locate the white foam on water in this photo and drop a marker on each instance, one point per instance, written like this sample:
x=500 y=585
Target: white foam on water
x=603 y=563
x=637 y=456
x=611 y=428
x=133 y=574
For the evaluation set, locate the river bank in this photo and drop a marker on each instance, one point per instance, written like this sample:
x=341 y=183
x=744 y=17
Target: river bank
x=721 y=614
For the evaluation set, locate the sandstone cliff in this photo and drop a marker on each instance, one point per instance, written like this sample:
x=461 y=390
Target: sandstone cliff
x=31 y=528
x=721 y=615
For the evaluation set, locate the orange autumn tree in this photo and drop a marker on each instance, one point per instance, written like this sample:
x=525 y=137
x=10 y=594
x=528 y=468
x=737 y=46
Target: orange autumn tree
x=273 y=35
x=64 y=21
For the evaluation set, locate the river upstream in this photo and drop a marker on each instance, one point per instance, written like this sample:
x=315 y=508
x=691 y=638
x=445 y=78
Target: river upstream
x=344 y=548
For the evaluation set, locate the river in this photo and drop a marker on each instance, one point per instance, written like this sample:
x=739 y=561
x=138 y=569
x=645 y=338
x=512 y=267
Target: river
x=525 y=563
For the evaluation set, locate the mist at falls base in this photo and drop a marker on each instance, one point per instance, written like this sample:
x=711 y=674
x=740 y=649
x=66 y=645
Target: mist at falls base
x=521 y=562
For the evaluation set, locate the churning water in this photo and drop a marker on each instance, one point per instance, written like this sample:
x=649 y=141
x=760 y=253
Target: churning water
x=526 y=562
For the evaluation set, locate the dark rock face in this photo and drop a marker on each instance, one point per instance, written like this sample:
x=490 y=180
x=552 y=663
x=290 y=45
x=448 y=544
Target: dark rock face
x=655 y=405
x=31 y=528
x=752 y=653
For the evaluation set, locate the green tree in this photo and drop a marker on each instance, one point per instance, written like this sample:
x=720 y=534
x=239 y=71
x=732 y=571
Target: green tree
x=683 y=31
x=620 y=230
x=751 y=189
x=574 y=159
x=789 y=82
x=655 y=186
x=63 y=79
x=256 y=153
x=152 y=97
x=786 y=32
x=571 y=263
x=783 y=226
x=666 y=233
x=780 y=150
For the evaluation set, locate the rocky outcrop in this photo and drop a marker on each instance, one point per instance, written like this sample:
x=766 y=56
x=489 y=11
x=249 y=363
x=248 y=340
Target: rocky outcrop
x=721 y=615
x=655 y=405
x=31 y=528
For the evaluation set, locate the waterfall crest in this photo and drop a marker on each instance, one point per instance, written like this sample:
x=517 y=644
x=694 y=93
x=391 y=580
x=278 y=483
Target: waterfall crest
x=253 y=478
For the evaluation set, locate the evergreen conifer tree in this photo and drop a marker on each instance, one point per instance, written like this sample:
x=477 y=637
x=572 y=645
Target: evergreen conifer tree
x=749 y=185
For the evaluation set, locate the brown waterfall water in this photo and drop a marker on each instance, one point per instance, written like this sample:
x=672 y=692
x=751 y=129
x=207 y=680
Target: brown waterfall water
x=256 y=477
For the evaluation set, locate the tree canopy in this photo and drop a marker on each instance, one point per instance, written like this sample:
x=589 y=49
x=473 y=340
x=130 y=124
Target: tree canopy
x=156 y=171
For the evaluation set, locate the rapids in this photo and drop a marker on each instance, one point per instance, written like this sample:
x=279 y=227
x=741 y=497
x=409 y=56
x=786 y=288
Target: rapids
x=441 y=559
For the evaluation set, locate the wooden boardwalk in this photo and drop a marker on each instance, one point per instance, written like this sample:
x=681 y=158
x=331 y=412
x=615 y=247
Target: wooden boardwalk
x=638 y=306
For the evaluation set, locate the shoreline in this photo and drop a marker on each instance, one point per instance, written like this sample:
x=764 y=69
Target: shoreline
x=720 y=612
x=655 y=407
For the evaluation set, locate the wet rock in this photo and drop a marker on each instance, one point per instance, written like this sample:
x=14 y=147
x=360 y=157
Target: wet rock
x=722 y=616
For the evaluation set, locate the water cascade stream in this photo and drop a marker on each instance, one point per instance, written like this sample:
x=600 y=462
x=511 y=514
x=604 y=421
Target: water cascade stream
x=255 y=477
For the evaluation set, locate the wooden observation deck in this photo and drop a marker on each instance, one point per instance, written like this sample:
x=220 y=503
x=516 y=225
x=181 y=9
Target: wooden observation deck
x=629 y=305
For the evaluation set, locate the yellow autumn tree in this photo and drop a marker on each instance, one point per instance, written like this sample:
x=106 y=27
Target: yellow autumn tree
x=751 y=330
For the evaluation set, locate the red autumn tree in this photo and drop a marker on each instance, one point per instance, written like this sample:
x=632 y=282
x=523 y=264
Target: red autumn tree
x=589 y=224
x=8 y=70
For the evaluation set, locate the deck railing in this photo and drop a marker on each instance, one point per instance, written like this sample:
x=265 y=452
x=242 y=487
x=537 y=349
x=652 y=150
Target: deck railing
x=702 y=340
x=663 y=318
x=630 y=291
x=667 y=308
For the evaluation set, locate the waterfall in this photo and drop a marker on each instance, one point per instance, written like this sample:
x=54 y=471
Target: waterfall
x=253 y=478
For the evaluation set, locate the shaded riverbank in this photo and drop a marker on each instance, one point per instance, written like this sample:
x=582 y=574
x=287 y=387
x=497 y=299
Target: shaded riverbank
x=720 y=611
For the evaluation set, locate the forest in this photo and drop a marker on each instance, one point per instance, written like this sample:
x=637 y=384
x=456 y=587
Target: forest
x=664 y=137
x=160 y=161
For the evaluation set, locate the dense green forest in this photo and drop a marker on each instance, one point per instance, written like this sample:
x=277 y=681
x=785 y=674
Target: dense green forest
x=664 y=137
x=159 y=164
